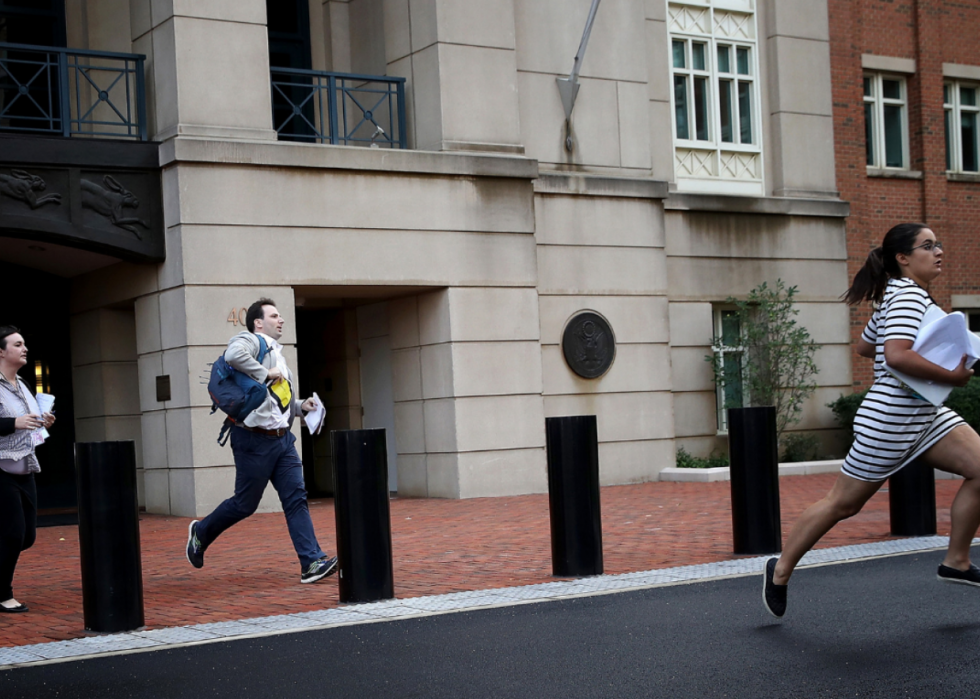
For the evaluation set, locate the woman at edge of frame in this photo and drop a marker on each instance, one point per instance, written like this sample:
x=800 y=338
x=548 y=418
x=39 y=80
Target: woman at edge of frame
x=20 y=417
x=894 y=425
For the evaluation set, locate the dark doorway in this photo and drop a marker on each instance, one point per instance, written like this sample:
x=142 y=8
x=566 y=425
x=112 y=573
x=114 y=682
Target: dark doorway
x=293 y=96
x=42 y=314
x=26 y=101
x=326 y=346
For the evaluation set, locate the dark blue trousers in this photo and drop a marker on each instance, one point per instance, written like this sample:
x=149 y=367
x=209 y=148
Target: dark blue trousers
x=259 y=460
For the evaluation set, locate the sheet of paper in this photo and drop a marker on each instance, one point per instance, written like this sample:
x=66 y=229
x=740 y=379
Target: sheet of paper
x=942 y=339
x=314 y=419
x=45 y=403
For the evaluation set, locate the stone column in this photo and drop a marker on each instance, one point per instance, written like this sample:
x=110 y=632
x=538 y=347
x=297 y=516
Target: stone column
x=460 y=60
x=800 y=101
x=469 y=416
x=222 y=71
x=103 y=353
x=180 y=331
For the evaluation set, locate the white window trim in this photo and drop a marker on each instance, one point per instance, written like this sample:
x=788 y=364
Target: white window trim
x=719 y=351
x=715 y=146
x=957 y=109
x=878 y=102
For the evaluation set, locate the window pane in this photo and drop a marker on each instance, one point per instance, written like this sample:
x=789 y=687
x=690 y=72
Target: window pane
x=679 y=54
x=968 y=96
x=946 y=95
x=701 y=108
x=742 y=57
x=891 y=89
x=968 y=134
x=731 y=332
x=949 y=139
x=725 y=106
x=732 y=364
x=893 y=136
x=975 y=322
x=745 y=111
x=868 y=88
x=869 y=138
x=724 y=59
x=697 y=56
x=680 y=106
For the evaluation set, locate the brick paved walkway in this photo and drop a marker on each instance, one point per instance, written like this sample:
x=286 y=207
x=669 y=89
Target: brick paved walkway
x=439 y=546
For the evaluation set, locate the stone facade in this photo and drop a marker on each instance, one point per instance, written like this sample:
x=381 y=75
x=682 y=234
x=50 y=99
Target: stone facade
x=454 y=266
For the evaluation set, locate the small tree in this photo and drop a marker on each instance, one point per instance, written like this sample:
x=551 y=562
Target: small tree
x=776 y=366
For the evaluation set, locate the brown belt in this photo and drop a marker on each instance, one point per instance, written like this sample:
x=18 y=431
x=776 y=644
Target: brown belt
x=281 y=432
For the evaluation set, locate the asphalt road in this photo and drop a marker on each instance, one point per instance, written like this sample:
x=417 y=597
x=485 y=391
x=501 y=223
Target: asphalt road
x=876 y=628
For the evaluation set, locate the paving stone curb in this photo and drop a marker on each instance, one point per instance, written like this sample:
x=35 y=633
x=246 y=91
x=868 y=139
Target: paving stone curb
x=138 y=641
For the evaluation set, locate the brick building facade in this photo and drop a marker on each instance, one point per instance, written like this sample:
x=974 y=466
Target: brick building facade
x=924 y=56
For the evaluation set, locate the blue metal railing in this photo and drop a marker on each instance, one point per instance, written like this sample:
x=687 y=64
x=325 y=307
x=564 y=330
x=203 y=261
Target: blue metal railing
x=338 y=108
x=72 y=92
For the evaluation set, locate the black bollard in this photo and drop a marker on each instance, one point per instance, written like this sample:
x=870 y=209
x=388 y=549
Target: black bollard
x=912 y=500
x=109 y=536
x=573 y=495
x=360 y=460
x=754 y=454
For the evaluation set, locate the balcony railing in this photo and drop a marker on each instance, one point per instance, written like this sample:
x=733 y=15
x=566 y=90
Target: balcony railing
x=338 y=108
x=71 y=92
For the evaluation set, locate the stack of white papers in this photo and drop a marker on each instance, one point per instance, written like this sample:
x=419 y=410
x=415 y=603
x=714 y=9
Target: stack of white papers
x=45 y=403
x=942 y=339
x=315 y=418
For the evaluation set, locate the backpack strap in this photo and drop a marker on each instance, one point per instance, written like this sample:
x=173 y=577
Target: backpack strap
x=225 y=432
x=263 y=348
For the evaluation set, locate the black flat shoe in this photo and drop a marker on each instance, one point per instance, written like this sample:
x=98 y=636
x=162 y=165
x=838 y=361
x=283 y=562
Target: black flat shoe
x=773 y=595
x=963 y=577
x=14 y=610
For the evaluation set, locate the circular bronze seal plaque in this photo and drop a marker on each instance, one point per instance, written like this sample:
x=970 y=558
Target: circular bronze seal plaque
x=588 y=345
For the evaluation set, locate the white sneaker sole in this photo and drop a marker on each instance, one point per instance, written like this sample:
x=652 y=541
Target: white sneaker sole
x=324 y=574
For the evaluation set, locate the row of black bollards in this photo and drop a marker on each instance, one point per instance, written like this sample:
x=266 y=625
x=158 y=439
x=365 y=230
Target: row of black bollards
x=108 y=517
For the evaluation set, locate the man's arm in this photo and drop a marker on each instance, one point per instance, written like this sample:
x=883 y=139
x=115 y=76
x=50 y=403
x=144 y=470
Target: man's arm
x=241 y=355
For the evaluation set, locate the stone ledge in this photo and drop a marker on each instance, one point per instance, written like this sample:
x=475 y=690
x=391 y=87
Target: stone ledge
x=800 y=468
x=894 y=174
x=709 y=475
x=782 y=206
x=183 y=149
x=599 y=185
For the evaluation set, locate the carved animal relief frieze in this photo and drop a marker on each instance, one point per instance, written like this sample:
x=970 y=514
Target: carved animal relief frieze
x=110 y=201
x=23 y=186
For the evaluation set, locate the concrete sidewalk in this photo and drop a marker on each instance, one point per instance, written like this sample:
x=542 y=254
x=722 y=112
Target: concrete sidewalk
x=440 y=546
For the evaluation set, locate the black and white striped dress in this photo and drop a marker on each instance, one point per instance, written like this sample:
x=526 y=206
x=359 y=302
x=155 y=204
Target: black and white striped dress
x=893 y=426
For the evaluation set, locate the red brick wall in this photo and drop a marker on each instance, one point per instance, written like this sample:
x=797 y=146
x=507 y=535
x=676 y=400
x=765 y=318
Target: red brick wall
x=931 y=32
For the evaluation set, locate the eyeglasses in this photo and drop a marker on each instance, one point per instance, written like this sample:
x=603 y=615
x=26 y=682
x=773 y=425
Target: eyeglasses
x=929 y=246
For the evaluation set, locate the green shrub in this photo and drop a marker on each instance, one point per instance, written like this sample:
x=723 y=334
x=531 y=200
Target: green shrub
x=964 y=400
x=800 y=447
x=844 y=409
x=686 y=460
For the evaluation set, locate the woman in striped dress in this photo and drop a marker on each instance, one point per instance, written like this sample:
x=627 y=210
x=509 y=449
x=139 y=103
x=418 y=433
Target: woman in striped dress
x=894 y=426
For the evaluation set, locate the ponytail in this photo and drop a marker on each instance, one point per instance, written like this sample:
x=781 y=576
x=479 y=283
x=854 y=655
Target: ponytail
x=870 y=282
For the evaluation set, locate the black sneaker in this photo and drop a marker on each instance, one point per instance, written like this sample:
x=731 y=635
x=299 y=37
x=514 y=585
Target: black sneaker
x=773 y=595
x=319 y=570
x=195 y=551
x=963 y=577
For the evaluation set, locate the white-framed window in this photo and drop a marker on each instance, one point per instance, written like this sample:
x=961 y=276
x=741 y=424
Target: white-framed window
x=973 y=319
x=886 y=128
x=729 y=357
x=961 y=103
x=714 y=71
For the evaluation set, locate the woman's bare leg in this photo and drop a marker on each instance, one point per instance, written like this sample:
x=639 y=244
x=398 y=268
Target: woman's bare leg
x=959 y=453
x=844 y=500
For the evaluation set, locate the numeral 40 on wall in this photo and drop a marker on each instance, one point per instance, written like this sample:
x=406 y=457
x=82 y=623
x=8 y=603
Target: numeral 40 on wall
x=237 y=316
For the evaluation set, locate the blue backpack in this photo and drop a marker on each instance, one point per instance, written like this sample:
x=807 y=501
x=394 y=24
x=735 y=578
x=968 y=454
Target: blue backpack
x=234 y=393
